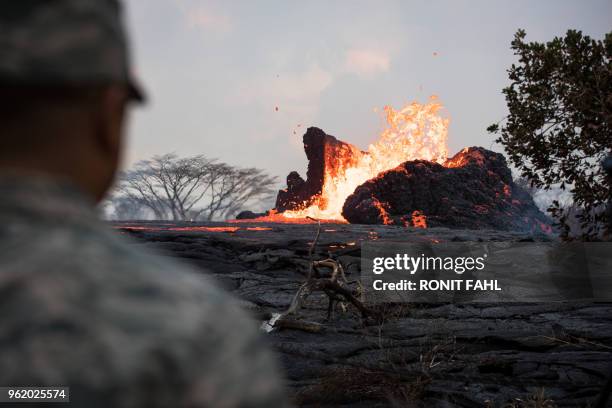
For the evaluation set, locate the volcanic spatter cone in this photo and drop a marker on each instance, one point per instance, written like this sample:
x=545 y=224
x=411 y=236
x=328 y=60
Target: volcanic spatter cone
x=472 y=190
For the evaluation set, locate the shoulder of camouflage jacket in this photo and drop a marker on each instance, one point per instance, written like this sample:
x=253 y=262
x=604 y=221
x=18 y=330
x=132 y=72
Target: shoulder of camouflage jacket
x=84 y=307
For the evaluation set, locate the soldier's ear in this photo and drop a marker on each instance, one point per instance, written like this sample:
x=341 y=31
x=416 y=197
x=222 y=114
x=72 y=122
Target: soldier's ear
x=109 y=118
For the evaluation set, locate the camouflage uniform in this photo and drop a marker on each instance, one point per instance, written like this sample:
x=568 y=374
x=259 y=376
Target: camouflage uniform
x=121 y=326
x=80 y=307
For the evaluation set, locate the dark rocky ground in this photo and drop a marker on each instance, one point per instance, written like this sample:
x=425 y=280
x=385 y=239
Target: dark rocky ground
x=444 y=355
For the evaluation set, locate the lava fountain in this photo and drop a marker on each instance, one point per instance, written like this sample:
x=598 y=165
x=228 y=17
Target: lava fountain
x=415 y=132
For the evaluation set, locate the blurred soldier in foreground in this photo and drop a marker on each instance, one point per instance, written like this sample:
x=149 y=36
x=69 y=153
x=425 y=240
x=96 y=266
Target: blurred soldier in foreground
x=78 y=307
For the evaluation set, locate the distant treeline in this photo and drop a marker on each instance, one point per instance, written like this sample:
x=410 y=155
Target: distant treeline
x=191 y=188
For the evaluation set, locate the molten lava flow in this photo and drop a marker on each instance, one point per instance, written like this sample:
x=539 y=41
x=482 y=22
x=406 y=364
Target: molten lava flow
x=416 y=131
x=274 y=216
x=211 y=229
x=419 y=220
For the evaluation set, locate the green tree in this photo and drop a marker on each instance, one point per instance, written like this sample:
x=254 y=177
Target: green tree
x=558 y=130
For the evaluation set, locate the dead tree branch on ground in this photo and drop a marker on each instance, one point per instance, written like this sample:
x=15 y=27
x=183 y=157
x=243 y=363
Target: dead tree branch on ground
x=333 y=286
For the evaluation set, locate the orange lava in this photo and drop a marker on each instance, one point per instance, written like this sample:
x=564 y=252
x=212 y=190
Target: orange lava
x=133 y=228
x=507 y=190
x=419 y=220
x=164 y=227
x=211 y=229
x=416 y=131
x=281 y=218
x=385 y=216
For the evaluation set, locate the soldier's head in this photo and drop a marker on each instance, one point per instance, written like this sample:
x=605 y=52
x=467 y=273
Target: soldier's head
x=64 y=88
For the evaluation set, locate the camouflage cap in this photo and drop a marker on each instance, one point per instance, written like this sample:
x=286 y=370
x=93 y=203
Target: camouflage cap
x=64 y=42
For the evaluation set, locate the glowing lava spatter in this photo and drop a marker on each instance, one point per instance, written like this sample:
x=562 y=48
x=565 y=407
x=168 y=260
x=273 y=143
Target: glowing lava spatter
x=416 y=131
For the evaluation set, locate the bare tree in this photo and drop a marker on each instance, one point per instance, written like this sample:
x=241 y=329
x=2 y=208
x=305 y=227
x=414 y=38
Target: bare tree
x=234 y=188
x=118 y=207
x=193 y=187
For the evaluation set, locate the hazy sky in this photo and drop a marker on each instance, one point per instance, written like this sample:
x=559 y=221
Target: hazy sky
x=215 y=71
